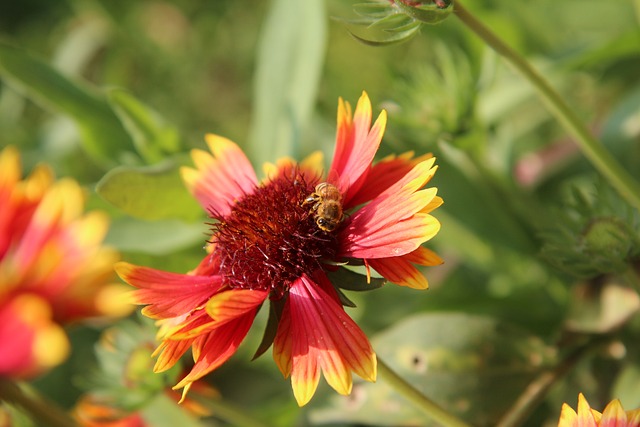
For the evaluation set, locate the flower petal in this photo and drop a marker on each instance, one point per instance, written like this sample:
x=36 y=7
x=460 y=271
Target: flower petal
x=323 y=336
x=214 y=348
x=170 y=351
x=568 y=417
x=356 y=145
x=395 y=240
x=282 y=345
x=383 y=175
x=221 y=308
x=399 y=271
x=32 y=341
x=219 y=180
x=159 y=289
x=586 y=415
x=614 y=415
x=633 y=418
x=423 y=256
x=390 y=225
x=226 y=306
x=60 y=205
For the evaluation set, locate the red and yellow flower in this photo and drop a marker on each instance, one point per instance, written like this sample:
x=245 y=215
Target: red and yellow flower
x=266 y=244
x=53 y=267
x=612 y=416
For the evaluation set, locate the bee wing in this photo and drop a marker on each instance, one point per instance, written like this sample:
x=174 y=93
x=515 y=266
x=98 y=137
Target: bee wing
x=341 y=183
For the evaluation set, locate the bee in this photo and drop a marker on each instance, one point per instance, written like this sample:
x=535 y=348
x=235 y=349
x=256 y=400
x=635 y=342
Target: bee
x=327 y=206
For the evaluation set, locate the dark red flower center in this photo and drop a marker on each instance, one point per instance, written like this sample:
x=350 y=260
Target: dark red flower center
x=270 y=237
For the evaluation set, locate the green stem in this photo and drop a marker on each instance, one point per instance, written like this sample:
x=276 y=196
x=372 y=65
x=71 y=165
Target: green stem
x=595 y=152
x=434 y=411
x=45 y=412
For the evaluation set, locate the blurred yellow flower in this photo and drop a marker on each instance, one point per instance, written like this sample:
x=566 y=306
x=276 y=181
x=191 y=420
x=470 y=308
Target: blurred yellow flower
x=53 y=267
x=613 y=415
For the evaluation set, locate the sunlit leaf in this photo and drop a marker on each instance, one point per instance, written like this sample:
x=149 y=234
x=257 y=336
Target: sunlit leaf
x=289 y=63
x=103 y=136
x=150 y=193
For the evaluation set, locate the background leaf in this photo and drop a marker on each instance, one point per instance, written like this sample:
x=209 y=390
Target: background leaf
x=449 y=357
x=290 y=58
x=152 y=136
x=103 y=136
x=150 y=193
x=160 y=238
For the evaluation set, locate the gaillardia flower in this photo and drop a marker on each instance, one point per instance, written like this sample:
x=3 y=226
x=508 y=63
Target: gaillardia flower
x=277 y=240
x=53 y=267
x=612 y=416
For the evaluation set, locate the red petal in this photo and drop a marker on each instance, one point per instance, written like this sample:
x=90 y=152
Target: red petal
x=390 y=225
x=216 y=347
x=383 y=175
x=356 y=145
x=221 y=308
x=324 y=336
x=170 y=352
x=395 y=240
x=168 y=294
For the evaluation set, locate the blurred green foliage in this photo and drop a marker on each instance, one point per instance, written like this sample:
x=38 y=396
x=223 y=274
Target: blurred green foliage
x=88 y=85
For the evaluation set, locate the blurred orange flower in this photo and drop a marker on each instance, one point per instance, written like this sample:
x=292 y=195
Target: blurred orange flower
x=53 y=267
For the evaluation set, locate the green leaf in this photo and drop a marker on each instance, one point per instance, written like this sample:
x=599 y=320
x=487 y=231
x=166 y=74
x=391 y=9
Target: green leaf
x=152 y=135
x=103 y=136
x=289 y=63
x=151 y=193
x=473 y=366
x=383 y=29
x=373 y=10
x=270 y=331
x=159 y=238
x=352 y=281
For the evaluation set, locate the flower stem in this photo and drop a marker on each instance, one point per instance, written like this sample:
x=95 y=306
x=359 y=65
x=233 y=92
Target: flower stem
x=595 y=152
x=429 y=407
x=45 y=412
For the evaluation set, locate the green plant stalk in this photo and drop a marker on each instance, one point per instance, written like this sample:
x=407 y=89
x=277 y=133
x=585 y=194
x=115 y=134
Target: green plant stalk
x=45 y=412
x=422 y=402
x=595 y=152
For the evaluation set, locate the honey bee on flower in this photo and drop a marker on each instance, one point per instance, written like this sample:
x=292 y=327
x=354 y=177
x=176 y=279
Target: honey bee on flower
x=327 y=206
x=266 y=245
